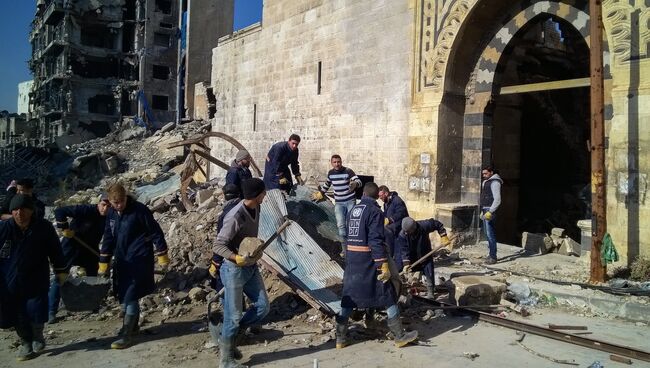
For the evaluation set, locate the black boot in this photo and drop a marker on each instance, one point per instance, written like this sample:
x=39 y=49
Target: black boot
x=126 y=334
x=341 y=333
x=227 y=352
x=401 y=337
x=38 y=340
x=25 y=352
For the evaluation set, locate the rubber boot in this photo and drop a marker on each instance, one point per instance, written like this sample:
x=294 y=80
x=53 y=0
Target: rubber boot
x=341 y=333
x=227 y=354
x=25 y=352
x=136 y=329
x=38 y=340
x=430 y=288
x=401 y=337
x=126 y=340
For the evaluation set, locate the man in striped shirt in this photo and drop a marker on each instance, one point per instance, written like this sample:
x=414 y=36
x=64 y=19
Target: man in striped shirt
x=343 y=182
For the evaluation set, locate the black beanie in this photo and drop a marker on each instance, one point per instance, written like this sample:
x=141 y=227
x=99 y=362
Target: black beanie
x=230 y=191
x=252 y=187
x=21 y=201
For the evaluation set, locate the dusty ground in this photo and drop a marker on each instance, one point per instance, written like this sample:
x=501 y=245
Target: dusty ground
x=298 y=340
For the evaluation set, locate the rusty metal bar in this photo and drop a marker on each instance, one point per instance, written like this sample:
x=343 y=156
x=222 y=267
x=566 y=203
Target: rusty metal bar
x=598 y=203
x=551 y=334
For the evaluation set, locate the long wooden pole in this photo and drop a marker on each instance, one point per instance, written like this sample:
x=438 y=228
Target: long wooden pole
x=599 y=208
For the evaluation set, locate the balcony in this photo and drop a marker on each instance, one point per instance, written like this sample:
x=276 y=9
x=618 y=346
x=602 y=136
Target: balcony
x=54 y=12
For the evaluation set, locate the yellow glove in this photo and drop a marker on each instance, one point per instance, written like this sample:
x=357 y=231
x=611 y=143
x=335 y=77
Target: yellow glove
x=103 y=269
x=299 y=180
x=246 y=260
x=68 y=233
x=213 y=270
x=61 y=277
x=384 y=274
x=283 y=181
x=386 y=221
x=488 y=215
x=317 y=196
x=444 y=240
x=163 y=261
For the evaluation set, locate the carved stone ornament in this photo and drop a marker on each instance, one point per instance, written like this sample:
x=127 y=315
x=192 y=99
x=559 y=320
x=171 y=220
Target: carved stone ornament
x=618 y=17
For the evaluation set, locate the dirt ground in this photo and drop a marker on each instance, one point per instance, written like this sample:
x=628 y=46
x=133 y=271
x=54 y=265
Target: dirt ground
x=304 y=339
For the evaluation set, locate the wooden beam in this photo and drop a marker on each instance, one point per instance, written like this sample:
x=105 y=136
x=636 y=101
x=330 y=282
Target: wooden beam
x=545 y=86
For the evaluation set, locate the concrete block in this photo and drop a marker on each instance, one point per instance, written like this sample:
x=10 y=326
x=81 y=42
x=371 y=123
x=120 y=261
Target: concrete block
x=569 y=247
x=476 y=290
x=558 y=231
x=537 y=243
x=204 y=195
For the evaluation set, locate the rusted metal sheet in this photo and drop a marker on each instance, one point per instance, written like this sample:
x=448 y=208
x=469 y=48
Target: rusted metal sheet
x=298 y=258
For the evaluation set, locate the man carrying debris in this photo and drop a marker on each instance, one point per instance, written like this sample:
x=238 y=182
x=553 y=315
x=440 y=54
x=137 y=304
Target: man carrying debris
x=239 y=171
x=24 y=186
x=344 y=182
x=239 y=272
x=394 y=211
x=130 y=235
x=231 y=194
x=413 y=243
x=80 y=241
x=276 y=169
x=367 y=275
x=490 y=201
x=27 y=242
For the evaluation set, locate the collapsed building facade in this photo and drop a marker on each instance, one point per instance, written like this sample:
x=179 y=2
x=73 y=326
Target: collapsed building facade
x=421 y=94
x=95 y=62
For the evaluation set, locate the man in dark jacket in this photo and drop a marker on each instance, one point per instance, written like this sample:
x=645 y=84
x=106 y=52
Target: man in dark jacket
x=239 y=170
x=130 y=235
x=26 y=244
x=367 y=275
x=85 y=230
x=280 y=157
x=24 y=186
x=413 y=243
x=394 y=211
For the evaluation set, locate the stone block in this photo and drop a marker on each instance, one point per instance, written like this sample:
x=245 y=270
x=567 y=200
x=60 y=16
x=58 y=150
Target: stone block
x=476 y=290
x=569 y=247
x=204 y=195
x=558 y=231
x=537 y=243
x=197 y=294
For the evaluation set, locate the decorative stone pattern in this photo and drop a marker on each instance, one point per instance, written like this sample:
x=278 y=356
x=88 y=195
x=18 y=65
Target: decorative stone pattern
x=618 y=16
x=441 y=20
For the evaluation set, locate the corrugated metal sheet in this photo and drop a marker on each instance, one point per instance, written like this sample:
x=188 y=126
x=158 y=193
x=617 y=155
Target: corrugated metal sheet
x=298 y=255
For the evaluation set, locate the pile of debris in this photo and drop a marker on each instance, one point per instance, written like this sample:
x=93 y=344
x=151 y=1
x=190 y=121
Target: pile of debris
x=556 y=242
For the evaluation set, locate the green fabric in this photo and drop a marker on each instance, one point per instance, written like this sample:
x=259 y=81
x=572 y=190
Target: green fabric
x=608 y=252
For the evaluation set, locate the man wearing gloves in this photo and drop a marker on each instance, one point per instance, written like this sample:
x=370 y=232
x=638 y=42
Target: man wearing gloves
x=413 y=243
x=490 y=201
x=130 y=235
x=367 y=275
x=239 y=170
x=344 y=182
x=239 y=272
x=27 y=242
x=84 y=232
x=280 y=157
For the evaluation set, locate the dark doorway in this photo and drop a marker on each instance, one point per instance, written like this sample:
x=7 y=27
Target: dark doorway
x=539 y=139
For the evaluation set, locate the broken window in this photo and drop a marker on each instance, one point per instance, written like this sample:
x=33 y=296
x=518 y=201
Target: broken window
x=102 y=104
x=164 y=6
x=160 y=102
x=89 y=68
x=128 y=38
x=129 y=10
x=166 y=25
x=161 y=39
x=161 y=72
x=95 y=36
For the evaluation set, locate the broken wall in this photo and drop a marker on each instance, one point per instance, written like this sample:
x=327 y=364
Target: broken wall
x=266 y=82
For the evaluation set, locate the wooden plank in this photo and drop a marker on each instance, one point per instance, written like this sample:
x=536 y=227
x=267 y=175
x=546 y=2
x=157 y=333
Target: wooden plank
x=545 y=86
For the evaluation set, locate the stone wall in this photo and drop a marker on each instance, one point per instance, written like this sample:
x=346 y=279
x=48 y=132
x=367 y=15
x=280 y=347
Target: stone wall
x=265 y=79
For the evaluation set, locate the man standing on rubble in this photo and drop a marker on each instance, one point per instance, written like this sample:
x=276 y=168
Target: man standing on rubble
x=130 y=235
x=344 y=182
x=413 y=243
x=239 y=170
x=231 y=194
x=280 y=157
x=80 y=242
x=27 y=242
x=239 y=272
x=367 y=275
x=490 y=201
x=24 y=186
x=394 y=211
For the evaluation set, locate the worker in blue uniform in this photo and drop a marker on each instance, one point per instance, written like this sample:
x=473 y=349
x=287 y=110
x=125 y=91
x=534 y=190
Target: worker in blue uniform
x=276 y=169
x=394 y=211
x=27 y=242
x=367 y=274
x=130 y=235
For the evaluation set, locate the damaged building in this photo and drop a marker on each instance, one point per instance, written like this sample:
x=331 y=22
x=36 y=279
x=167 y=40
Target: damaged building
x=95 y=62
x=422 y=94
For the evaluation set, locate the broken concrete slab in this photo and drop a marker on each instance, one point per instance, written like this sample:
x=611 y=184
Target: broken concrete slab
x=476 y=290
x=147 y=193
x=204 y=195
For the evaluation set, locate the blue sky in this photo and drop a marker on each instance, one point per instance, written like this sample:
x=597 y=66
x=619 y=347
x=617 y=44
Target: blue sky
x=15 y=26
